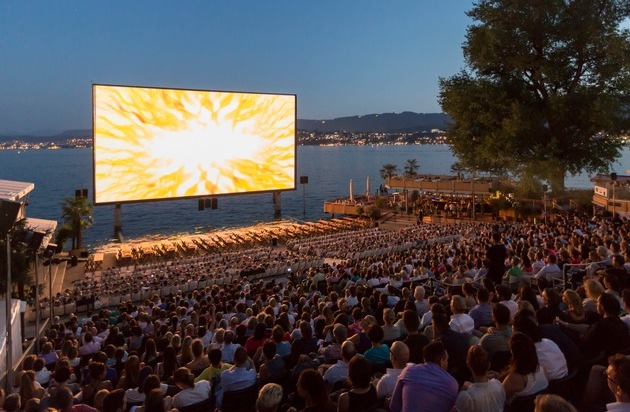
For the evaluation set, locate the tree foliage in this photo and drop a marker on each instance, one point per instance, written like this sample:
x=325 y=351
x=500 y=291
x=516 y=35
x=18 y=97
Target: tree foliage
x=77 y=213
x=21 y=258
x=546 y=89
x=388 y=171
x=411 y=168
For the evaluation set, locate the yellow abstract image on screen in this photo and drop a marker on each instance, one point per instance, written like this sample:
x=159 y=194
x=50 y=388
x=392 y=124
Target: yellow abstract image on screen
x=154 y=144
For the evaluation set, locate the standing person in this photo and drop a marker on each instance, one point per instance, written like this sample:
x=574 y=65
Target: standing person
x=484 y=394
x=496 y=255
x=429 y=382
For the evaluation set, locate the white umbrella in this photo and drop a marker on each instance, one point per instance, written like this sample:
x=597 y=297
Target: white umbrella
x=367 y=187
x=351 y=196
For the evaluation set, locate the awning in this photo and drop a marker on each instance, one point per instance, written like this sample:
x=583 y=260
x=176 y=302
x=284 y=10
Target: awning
x=42 y=226
x=15 y=191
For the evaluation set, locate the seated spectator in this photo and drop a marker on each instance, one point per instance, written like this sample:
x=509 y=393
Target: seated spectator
x=429 y=382
x=273 y=368
x=609 y=334
x=361 y=340
x=42 y=375
x=241 y=376
x=460 y=320
x=497 y=339
x=551 y=306
x=332 y=352
x=525 y=375
x=484 y=394
x=362 y=395
x=305 y=344
x=200 y=360
x=456 y=345
x=191 y=393
x=378 y=354
x=551 y=270
x=213 y=372
x=97 y=371
x=269 y=398
x=257 y=340
x=552 y=403
x=482 y=312
x=339 y=371
x=229 y=347
x=391 y=331
x=399 y=356
x=64 y=402
x=422 y=305
x=550 y=357
x=415 y=340
x=618 y=374
x=311 y=388
x=504 y=294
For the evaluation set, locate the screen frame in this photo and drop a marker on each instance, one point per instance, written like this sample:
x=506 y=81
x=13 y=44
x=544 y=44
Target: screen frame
x=295 y=144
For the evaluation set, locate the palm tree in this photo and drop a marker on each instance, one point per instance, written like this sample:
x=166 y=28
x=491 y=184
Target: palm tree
x=77 y=213
x=388 y=171
x=411 y=168
x=459 y=169
x=21 y=257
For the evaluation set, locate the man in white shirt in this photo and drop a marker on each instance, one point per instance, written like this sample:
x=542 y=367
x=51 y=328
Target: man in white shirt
x=399 y=356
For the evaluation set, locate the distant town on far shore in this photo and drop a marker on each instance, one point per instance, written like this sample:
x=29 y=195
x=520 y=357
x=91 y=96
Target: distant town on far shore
x=374 y=129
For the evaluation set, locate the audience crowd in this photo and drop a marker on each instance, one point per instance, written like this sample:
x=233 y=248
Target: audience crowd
x=468 y=317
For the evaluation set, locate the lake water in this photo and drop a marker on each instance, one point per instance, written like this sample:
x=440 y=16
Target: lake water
x=57 y=173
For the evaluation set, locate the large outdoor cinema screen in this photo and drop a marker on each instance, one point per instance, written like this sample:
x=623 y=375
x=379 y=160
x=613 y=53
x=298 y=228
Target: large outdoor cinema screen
x=158 y=144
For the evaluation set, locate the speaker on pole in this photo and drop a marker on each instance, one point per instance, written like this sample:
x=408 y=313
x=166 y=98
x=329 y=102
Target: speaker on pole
x=303 y=180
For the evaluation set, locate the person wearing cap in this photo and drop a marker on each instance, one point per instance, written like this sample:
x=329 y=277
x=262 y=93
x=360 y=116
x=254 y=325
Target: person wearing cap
x=191 y=393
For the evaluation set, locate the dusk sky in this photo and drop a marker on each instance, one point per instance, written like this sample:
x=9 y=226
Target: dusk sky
x=341 y=58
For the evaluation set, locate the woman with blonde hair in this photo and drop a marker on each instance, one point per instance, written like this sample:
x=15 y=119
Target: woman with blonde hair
x=593 y=290
x=28 y=390
x=575 y=312
x=186 y=355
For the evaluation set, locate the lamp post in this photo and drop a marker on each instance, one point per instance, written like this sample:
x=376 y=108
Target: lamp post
x=304 y=182
x=9 y=212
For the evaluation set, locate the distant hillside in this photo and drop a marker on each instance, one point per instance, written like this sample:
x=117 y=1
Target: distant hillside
x=68 y=134
x=386 y=122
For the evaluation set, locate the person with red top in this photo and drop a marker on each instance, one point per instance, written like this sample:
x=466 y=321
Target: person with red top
x=257 y=340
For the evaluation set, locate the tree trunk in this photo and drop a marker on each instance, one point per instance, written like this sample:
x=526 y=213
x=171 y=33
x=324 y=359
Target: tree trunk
x=556 y=177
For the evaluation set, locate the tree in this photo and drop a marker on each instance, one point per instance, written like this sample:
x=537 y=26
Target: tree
x=546 y=90
x=388 y=171
x=411 y=168
x=77 y=213
x=21 y=257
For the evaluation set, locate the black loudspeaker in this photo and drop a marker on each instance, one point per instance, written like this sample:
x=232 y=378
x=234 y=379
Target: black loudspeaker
x=77 y=193
x=8 y=215
x=201 y=205
x=303 y=180
x=215 y=203
x=84 y=254
x=74 y=261
x=84 y=192
x=274 y=241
